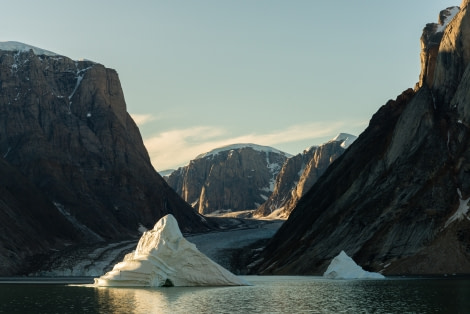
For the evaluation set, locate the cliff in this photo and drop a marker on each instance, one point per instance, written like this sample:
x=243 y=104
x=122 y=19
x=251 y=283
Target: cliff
x=232 y=178
x=77 y=169
x=299 y=173
x=397 y=200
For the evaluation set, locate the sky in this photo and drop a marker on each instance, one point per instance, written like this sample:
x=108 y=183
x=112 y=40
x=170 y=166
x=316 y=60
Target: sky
x=200 y=74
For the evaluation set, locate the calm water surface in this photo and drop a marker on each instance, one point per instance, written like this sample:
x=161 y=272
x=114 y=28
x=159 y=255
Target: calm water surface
x=267 y=295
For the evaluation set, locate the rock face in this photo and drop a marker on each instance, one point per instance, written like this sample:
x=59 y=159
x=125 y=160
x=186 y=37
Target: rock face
x=232 y=178
x=66 y=135
x=164 y=258
x=430 y=42
x=397 y=199
x=299 y=173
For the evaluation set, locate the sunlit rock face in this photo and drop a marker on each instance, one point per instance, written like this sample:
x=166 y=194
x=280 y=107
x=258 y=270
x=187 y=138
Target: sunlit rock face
x=299 y=173
x=430 y=42
x=397 y=199
x=230 y=178
x=344 y=267
x=165 y=258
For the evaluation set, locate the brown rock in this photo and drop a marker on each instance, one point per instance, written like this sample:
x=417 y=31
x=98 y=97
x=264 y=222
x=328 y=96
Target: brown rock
x=232 y=178
x=299 y=173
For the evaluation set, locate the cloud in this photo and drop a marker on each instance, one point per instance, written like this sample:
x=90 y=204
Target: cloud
x=174 y=148
x=141 y=119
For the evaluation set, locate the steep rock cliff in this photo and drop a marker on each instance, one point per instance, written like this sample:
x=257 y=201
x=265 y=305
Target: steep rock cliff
x=232 y=178
x=299 y=173
x=65 y=132
x=397 y=199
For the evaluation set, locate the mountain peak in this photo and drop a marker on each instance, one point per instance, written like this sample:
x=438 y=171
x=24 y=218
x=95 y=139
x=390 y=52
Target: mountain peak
x=18 y=46
x=256 y=147
x=445 y=16
x=346 y=138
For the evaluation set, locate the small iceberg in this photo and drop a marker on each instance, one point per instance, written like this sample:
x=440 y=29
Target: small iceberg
x=163 y=257
x=344 y=267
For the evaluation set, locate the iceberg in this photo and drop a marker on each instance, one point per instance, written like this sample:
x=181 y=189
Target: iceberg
x=344 y=267
x=163 y=257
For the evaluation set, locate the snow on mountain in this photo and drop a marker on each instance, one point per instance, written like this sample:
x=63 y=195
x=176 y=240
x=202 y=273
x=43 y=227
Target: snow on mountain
x=445 y=18
x=256 y=147
x=166 y=173
x=165 y=258
x=347 y=139
x=17 y=46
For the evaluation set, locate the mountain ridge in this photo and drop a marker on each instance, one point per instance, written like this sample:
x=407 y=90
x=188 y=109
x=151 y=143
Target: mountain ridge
x=65 y=130
x=396 y=200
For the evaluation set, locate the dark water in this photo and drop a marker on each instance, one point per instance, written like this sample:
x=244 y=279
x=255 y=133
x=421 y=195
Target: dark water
x=267 y=295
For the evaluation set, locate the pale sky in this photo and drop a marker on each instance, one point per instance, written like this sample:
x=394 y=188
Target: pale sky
x=200 y=74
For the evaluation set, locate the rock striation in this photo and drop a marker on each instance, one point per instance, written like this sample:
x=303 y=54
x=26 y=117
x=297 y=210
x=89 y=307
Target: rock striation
x=66 y=135
x=397 y=199
x=163 y=257
x=231 y=178
x=299 y=173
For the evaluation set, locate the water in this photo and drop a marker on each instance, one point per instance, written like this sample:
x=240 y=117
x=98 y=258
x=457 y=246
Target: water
x=267 y=295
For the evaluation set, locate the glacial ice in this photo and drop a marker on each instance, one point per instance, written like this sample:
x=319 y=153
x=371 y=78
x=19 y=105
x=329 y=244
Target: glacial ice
x=344 y=267
x=163 y=257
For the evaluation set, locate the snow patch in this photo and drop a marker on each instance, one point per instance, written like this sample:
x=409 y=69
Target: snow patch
x=141 y=228
x=256 y=147
x=165 y=258
x=79 y=76
x=7 y=152
x=450 y=13
x=347 y=139
x=344 y=267
x=21 y=47
x=462 y=211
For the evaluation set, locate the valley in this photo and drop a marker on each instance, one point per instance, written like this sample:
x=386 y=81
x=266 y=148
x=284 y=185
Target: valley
x=235 y=238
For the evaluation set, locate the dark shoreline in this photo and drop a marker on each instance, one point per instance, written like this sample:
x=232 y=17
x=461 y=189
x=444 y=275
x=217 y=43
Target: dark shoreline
x=90 y=280
x=47 y=280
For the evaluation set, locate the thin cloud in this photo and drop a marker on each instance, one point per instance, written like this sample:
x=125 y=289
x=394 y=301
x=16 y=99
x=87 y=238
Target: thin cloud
x=175 y=148
x=141 y=119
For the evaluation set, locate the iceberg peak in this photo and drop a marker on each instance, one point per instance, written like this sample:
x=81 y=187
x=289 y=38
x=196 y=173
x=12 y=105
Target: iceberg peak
x=163 y=257
x=344 y=267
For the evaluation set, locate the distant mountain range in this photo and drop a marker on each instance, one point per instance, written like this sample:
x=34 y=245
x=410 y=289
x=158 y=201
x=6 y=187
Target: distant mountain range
x=230 y=178
x=249 y=176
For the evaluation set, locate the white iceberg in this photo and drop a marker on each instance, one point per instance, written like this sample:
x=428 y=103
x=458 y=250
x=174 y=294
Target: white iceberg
x=165 y=258
x=344 y=267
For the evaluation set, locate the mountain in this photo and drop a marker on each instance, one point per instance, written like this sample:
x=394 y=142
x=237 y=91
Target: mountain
x=299 y=173
x=397 y=200
x=230 y=178
x=74 y=169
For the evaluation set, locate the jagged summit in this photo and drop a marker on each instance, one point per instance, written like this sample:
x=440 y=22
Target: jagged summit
x=346 y=138
x=230 y=178
x=430 y=41
x=18 y=46
x=445 y=16
x=256 y=147
x=397 y=199
x=299 y=173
